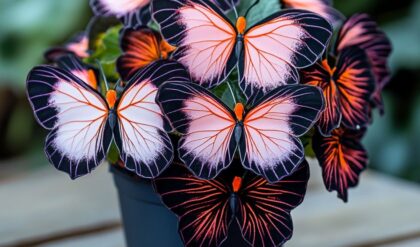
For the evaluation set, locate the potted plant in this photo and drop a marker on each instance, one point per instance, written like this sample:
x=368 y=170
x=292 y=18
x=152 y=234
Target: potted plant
x=206 y=110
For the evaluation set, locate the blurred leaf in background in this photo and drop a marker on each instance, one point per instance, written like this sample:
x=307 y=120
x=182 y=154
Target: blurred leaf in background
x=28 y=28
x=107 y=50
x=406 y=40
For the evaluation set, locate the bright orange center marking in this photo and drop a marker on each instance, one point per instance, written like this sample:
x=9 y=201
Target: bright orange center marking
x=165 y=49
x=236 y=184
x=91 y=76
x=239 y=111
x=241 y=25
x=328 y=67
x=111 y=98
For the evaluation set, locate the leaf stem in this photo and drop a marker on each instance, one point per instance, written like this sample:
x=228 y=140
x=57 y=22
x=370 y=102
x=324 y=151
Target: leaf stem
x=231 y=92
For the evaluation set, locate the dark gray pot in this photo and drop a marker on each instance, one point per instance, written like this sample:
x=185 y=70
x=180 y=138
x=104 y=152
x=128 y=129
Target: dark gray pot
x=147 y=222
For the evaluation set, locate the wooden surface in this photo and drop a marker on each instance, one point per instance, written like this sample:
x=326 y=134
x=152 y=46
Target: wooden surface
x=46 y=205
x=48 y=202
x=380 y=210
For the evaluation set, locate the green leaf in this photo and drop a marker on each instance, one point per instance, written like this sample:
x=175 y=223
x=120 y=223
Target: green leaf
x=223 y=93
x=107 y=51
x=113 y=154
x=307 y=143
x=107 y=48
x=220 y=90
x=18 y=132
x=154 y=25
x=28 y=28
x=226 y=95
x=260 y=11
x=309 y=152
x=406 y=48
x=97 y=27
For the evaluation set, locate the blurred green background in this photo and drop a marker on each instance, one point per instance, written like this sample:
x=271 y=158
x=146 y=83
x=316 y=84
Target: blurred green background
x=29 y=27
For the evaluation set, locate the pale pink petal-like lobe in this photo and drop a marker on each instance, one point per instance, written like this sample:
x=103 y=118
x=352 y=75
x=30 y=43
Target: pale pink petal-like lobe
x=207 y=126
x=277 y=47
x=270 y=145
x=204 y=36
x=145 y=147
x=76 y=115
